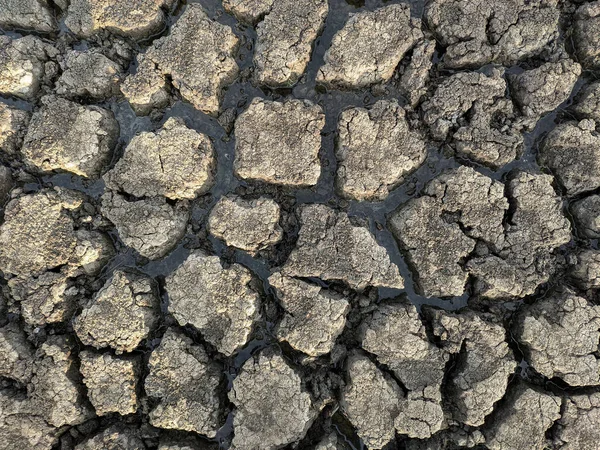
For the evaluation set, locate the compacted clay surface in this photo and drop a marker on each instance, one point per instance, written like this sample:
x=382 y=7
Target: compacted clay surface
x=299 y=224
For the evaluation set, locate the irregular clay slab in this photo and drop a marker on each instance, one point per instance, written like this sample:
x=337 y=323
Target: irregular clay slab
x=27 y=14
x=369 y=386
x=376 y=150
x=136 y=18
x=586 y=270
x=250 y=225
x=587 y=102
x=572 y=152
x=224 y=310
x=186 y=382
x=197 y=56
x=175 y=162
x=22 y=65
x=150 y=226
x=413 y=82
x=114 y=437
x=313 y=317
x=272 y=407
x=284 y=40
x=440 y=228
x=523 y=420
x=586 y=213
x=586 y=38
x=13 y=126
x=16 y=353
x=70 y=137
x=279 y=142
x=249 y=11
x=559 y=336
x=111 y=382
x=121 y=315
x=369 y=47
x=578 y=426
x=331 y=248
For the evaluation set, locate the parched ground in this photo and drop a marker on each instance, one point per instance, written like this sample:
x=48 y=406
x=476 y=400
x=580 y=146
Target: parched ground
x=299 y=224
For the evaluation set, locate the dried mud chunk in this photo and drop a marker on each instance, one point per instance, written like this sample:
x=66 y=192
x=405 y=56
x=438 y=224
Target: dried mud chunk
x=331 y=248
x=250 y=11
x=330 y=442
x=186 y=382
x=27 y=14
x=22 y=65
x=272 y=408
x=148 y=90
x=116 y=437
x=586 y=271
x=150 y=226
x=456 y=95
x=70 y=137
x=250 y=225
x=376 y=150
x=572 y=152
x=535 y=228
x=478 y=32
x=224 y=310
x=369 y=47
x=368 y=386
x=197 y=56
x=586 y=38
x=279 y=142
x=13 y=126
x=523 y=421
x=175 y=162
x=559 y=336
x=493 y=136
x=313 y=317
x=541 y=90
x=135 y=18
x=578 y=427
x=413 y=82
x=21 y=426
x=49 y=298
x=451 y=439
x=37 y=234
x=121 y=315
x=395 y=334
x=16 y=354
x=111 y=382
x=55 y=387
x=440 y=228
x=586 y=213
x=88 y=74
x=284 y=40
x=586 y=105
x=480 y=374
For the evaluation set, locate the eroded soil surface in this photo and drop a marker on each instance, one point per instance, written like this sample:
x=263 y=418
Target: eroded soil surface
x=299 y=224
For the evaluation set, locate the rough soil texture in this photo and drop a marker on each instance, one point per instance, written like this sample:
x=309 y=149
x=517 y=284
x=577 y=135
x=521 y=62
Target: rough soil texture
x=299 y=224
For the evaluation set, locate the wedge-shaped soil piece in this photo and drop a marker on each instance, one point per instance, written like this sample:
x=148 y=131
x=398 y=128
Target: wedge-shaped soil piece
x=279 y=142
x=368 y=386
x=572 y=152
x=16 y=354
x=186 y=382
x=559 y=336
x=70 y=137
x=250 y=11
x=585 y=34
x=223 y=310
x=587 y=102
x=121 y=315
x=175 y=162
x=376 y=150
x=111 y=382
x=250 y=225
x=313 y=317
x=331 y=248
x=135 y=18
x=440 y=228
x=369 y=47
x=272 y=407
x=28 y=15
x=150 y=226
x=578 y=427
x=196 y=56
x=522 y=422
x=13 y=126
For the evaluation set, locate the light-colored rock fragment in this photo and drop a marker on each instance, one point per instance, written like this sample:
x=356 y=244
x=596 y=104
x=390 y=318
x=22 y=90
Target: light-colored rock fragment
x=413 y=82
x=578 y=426
x=27 y=14
x=586 y=213
x=375 y=150
x=586 y=269
x=587 y=102
x=88 y=74
x=250 y=225
x=16 y=354
x=249 y=11
x=586 y=38
x=13 y=126
x=279 y=142
x=115 y=437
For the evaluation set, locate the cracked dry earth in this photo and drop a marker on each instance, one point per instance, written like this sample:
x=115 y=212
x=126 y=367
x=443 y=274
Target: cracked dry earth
x=299 y=224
